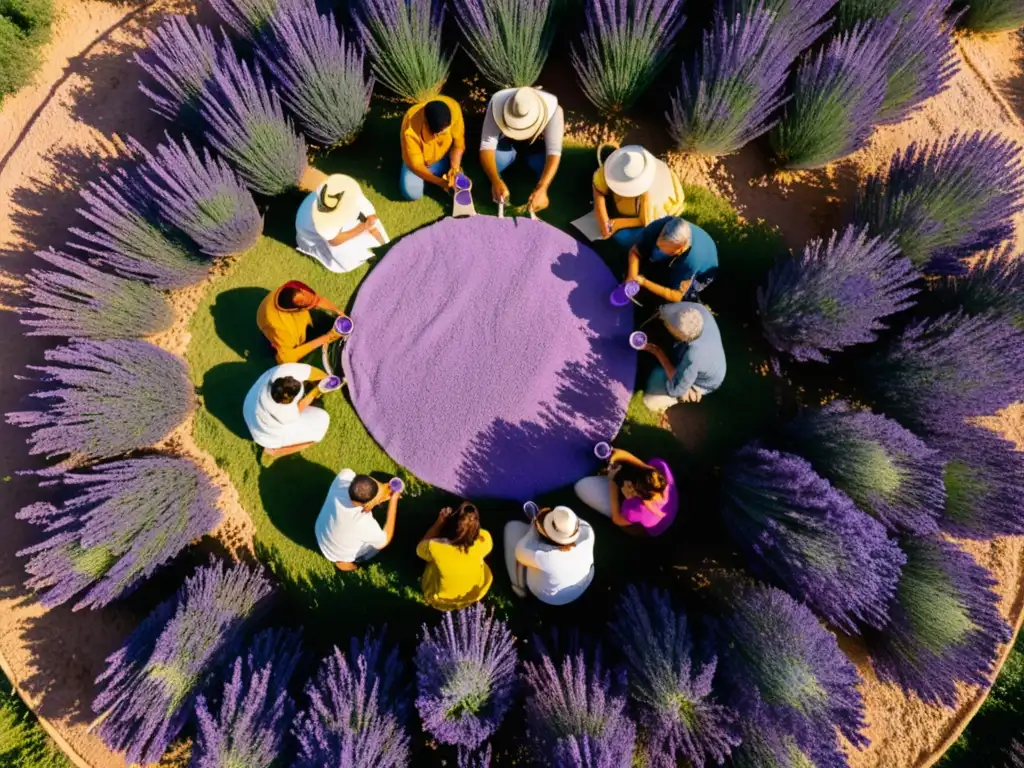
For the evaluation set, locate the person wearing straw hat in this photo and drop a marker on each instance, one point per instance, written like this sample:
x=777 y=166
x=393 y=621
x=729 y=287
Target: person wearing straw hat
x=528 y=121
x=643 y=189
x=337 y=225
x=684 y=253
x=552 y=557
x=697 y=364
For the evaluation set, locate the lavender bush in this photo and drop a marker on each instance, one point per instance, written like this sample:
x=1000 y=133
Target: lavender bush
x=767 y=748
x=474 y=758
x=465 y=676
x=576 y=709
x=939 y=372
x=836 y=98
x=1015 y=754
x=131 y=237
x=994 y=283
x=245 y=124
x=991 y=15
x=625 y=44
x=834 y=295
x=945 y=200
x=150 y=685
x=86 y=303
x=121 y=522
x=320 y=75
x=508 y=40
x=945 y=626
x=670 y=684
x=247 y=18
x=255 y=708
x=887 y=470
x=784 y=671
x=813 y=539
x=180 y=58
x=105 y=398
x=403 y=39
x=731 y=90
x=800 y=21
x=356 y=710
x=201 y=196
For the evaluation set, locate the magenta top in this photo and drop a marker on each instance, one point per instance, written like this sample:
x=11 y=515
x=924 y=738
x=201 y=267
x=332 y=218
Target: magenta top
x=638 y=512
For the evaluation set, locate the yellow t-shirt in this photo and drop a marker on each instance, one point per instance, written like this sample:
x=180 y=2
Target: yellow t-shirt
x=453 y=578
x=664 y=198
x=285 y=329
x=417 y=151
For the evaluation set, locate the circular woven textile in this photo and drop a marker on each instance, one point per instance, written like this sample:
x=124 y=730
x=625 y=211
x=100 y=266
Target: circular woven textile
x=487 y=358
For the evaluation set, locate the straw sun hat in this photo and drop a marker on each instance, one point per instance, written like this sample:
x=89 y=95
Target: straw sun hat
x=337 y=203
x=630 y=171
x=561 y=525
x=521 y=113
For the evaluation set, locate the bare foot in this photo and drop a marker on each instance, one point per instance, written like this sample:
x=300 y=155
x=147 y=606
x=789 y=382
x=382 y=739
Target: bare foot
x=346 y=567
x=663 y=420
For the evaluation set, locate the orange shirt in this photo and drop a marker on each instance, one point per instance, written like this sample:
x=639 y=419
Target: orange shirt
x=285 y=329
x=420 y=152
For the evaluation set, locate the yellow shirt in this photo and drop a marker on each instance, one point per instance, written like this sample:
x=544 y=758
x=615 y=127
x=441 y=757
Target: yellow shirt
x=285 y=329
x=418 y=152
x=453 y=578
x=664 y=198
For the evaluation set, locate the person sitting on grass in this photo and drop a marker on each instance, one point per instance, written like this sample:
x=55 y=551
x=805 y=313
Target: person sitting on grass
x=639 y=497
x=643 y=189
x=280 y=418
x=433 y=139
x=686 y=252
x=697 y=365
x=516 y=118
x=552 y=557
x=346 y=530
x=337 y=225
x=284 y=318
x=455 y=547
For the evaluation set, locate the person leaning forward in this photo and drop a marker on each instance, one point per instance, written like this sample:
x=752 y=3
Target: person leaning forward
x=433 y=138
x=684 y=252
x=284 y=318
x=346 y=530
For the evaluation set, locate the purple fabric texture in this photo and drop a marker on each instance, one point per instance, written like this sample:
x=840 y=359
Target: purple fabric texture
x=488 y=361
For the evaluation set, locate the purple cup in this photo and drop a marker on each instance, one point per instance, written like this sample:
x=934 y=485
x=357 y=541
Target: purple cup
x=396 y=485
x=330 y=384
x=638 y=340
x=603 y=451
x=631 y=289
x=619 y=297
x=462 y=182
x=464 y=197
x=343 y=325
x=531 y=510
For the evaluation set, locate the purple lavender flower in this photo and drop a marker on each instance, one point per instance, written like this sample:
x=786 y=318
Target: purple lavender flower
x=255 y=708
x=763 y=747
x=625 y=45
x=1015 y=754
x=984 y=475
x=945 y=200
x=86 y=303
x=108 y=398
x=945 y=628
x=131 y=237
x=781 y=669
x=810 y=537
x=837 y=95
x=247 y=18
x=150 y=685
x=474 y=758
x=180 y=58
x=682 y=719
x=320 y=75
x=940 y=372
x=576 y=709
x=887 y=470
x=356 y=709
x=801 y=21
x=731 y=90
x=995 y=282
x=121 y=522
x=202 y=197
x=834 y=295
x=508 y=40
x=465 y=676
x=245 y=124
x=985 y=16
x=403 y=40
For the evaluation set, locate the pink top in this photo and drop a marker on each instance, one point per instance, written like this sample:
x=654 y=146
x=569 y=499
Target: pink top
x=636 y=511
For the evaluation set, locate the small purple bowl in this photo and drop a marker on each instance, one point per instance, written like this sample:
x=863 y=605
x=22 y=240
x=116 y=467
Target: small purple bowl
x=603 y=451
x=344 y=325
x=330 y=384
x=531 y=510
x=464 y=197
x=638 y=340
x=619 y=297
x=631 y=289
x=396 y=485
x=462 y=182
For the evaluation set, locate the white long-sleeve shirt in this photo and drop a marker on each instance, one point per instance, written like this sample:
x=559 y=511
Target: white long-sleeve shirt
x=557 y=576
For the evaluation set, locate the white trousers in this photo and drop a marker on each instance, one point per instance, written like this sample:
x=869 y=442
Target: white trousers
x=596 y=493
x=515 y=530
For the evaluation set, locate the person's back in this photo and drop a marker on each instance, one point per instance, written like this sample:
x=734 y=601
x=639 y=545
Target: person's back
x=345 y=531
x=455 y=578
x=705 y=353
x=557 y=575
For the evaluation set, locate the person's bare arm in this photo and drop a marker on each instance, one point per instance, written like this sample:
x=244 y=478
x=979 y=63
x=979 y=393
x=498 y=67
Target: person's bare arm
x=616 y=504
x=310 y=346
x=662 y=358
x=389 y=524
x=662 y=292
x=539 y=197
x=455 y=158
x=601 y=212
x=327 y=305
x=489 y=162
x=626 y=222
x=356 y=231
x=308 y=399
x=633 y=265
x=435 y=530
x=620 y=456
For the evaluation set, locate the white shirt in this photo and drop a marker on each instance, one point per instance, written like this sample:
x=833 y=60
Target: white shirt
x=344 y=531
x=554 y=576
x=267 y=419
x=553 y=129
x=337 y=258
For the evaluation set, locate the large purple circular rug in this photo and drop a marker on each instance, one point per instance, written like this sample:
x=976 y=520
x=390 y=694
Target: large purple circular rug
x=487 y=359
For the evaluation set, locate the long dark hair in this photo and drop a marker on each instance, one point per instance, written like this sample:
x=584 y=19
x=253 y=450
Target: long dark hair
x=463 y=528
x=647 y=481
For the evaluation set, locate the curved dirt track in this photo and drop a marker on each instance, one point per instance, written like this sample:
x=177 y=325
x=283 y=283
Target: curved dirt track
x=50 y=137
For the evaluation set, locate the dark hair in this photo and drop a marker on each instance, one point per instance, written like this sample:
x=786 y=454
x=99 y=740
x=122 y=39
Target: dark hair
x=285 y=389
x=463 y=528
x=287 y=297
x=647 y=482
x=363 y=489
x=438 y=116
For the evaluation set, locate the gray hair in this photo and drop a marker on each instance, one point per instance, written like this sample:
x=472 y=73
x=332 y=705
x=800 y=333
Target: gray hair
x=678 y=231
x=685 y=324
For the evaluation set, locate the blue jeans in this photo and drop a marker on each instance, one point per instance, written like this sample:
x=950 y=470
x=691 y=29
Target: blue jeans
x=507 y=152
x=627 y=238
x=411 y=186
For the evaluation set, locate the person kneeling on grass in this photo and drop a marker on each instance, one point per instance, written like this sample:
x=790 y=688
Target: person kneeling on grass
x=643 y=189
x=337 y=225
x=639 y=497
x=685 y=251
x=455 y=547
x=433 y=138
x=284 y=318
x=280 y=418
x=346 y=530
x=552 y=557
x=697 y=364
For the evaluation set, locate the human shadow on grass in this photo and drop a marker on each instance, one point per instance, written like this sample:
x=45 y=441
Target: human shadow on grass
x=234 y=321
x=223 y=392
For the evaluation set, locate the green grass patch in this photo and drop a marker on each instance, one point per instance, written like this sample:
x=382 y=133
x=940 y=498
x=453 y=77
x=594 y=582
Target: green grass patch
x=23 y=743
x=24 y=29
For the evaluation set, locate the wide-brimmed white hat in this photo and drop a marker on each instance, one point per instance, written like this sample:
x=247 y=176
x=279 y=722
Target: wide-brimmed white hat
x=521 y=113
x=337 y=203
x=629 y=171
x=561 y=525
